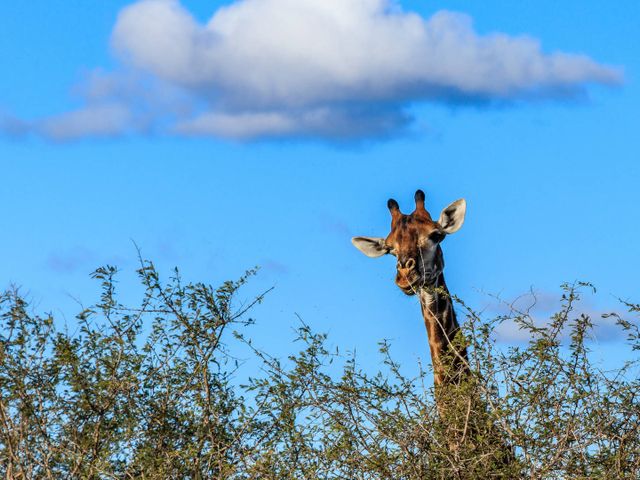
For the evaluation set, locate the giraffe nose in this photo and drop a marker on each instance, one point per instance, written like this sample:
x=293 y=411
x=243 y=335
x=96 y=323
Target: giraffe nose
x=408 y=264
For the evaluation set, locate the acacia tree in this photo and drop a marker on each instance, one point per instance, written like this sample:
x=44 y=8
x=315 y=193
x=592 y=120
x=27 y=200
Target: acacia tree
x=153 y=391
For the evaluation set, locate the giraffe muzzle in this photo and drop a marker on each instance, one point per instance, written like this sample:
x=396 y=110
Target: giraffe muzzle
x=408 y=279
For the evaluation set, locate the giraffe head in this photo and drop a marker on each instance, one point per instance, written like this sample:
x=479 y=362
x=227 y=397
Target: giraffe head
x=415 y=241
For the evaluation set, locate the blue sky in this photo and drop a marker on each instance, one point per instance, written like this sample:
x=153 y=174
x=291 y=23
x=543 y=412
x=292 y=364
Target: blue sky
x=549 y=169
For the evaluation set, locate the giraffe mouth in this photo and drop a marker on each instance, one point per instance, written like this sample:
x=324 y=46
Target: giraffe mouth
x=409 y=290
x=409 y=287
x=409 y=283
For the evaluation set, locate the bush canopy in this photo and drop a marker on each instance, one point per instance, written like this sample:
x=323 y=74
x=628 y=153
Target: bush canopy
x=154 y=391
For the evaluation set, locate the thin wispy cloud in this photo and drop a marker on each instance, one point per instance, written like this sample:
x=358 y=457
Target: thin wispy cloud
x=77 y=259
x=538 y=309
x=275 y=266
x=71 y=260
x=329 y=69
x=103 y=120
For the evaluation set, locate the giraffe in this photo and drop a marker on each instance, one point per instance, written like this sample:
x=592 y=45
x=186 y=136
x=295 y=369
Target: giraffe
x=415 y=241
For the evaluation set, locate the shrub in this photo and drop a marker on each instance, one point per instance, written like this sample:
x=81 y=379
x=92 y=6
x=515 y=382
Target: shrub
x=154 y=391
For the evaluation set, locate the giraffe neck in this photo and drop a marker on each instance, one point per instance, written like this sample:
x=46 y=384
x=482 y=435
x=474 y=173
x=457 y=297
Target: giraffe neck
x=442 y=327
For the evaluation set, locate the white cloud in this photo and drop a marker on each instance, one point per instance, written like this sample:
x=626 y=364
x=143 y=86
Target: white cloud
x=106 y=120
x=325 y=68
x=335 y=123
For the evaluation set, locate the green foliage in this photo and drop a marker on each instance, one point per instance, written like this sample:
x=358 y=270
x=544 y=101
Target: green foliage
x=154 y=391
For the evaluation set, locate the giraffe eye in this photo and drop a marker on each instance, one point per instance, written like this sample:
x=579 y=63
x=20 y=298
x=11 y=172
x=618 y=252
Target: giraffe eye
x=436 y=237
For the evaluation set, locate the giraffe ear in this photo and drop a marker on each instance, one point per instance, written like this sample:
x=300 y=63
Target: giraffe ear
x=452 y=217
x=371 y=246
